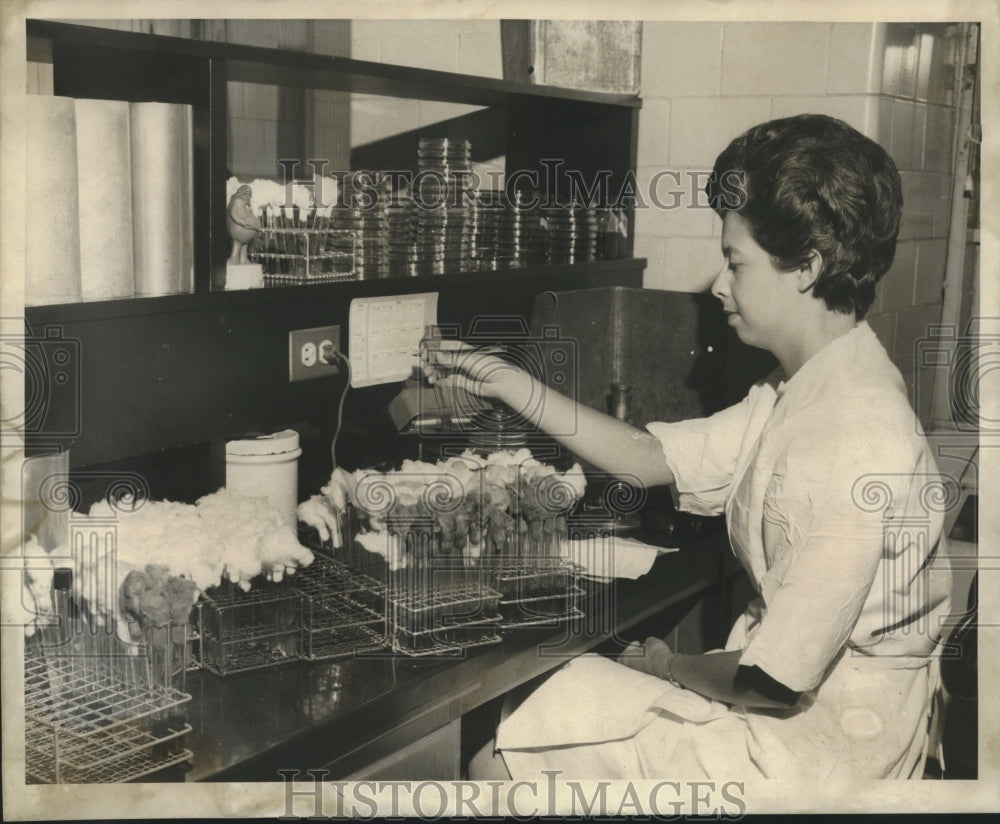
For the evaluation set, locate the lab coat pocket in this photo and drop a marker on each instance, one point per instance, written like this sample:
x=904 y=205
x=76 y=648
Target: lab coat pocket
x=689 y=706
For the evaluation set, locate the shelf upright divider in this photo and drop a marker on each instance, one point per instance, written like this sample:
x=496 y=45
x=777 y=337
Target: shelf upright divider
x=211 y=152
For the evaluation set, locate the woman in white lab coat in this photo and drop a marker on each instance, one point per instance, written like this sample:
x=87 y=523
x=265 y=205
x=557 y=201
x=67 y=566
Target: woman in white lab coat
x=832 y=501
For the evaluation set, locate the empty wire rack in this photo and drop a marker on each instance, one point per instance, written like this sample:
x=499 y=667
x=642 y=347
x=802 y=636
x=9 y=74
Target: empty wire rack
x=99 y=720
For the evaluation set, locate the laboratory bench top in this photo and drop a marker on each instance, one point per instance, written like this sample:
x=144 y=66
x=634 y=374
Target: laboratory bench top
x=346 y=715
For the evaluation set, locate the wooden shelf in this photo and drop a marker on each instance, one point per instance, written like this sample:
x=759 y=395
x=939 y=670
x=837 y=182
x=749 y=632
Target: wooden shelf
x=593 y=134
x=159 y=373
x=255 y=64
x=576 y=275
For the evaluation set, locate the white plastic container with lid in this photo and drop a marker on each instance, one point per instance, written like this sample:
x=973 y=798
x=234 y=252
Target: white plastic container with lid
x=266 y=466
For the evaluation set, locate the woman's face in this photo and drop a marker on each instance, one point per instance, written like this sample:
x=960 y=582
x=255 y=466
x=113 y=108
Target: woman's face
x=759 y=299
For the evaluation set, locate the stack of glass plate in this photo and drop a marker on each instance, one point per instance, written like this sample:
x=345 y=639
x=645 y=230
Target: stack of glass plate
x=445 y=155
x=511 y=249
x=369 y=230
x=440 y=206
x=572 y=234
x=399 y=237
x=441 y=240
x=535 y=238
x=346 y=235
x=441 y=611
x=485 y=217
x=507 y=233
x=366 y=213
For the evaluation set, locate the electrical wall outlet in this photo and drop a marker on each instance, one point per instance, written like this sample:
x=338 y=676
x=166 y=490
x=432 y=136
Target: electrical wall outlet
x=309 y=351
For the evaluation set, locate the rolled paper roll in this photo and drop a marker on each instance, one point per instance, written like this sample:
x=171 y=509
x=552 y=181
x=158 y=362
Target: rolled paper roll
x=105 y=195
x=162 y=192
x=52 y=219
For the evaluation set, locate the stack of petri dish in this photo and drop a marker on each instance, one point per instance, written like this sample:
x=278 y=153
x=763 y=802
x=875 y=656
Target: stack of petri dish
x=399 y=236
x=346 y=235
x=441 y=238
x=511 y=250
x=534 y=230
x=364 y=210
x=485 y=218
x=572 y=234
x=508 y=232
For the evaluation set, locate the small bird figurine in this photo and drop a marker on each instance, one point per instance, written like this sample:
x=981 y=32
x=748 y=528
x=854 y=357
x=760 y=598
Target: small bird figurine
x=242 y=223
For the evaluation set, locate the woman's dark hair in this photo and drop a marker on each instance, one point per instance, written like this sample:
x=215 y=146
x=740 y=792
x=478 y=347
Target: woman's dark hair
x=813 y=182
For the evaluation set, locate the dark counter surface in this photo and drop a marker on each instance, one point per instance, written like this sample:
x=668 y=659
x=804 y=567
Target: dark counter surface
x=341 y=715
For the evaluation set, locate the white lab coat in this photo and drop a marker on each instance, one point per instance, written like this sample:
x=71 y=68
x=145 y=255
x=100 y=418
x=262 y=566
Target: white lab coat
x=832 y=504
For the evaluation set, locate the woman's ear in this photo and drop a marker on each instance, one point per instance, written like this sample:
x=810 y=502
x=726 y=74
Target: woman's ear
x=808 y=272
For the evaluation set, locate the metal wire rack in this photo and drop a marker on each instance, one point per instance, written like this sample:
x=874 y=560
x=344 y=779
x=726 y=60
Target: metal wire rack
x=306 y=255
x=329 y=576
x=534 y=577
x=343 y=610
x=334 y=612
x=455 y=611
x=88 y=721
x=345 y=641
x=427 y=609
x=447 y=640
x=242 y=631
x=544 y=610
x=127 y=768
x=542 y=592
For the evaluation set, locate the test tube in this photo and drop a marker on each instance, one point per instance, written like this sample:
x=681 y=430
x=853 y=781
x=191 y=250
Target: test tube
x=56 y=637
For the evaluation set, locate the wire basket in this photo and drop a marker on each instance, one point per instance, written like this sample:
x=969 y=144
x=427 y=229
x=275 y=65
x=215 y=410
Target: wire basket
x=441 y=611
x=542 y=578
x=437 y=603
x=537 y=591
x=99 y=719
x=440 y=599
x=447 y=641
x=242 y=631
x=343 y=610
x=442 y=595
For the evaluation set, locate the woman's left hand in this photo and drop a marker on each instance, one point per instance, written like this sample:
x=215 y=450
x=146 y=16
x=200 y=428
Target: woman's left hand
x=651 y=657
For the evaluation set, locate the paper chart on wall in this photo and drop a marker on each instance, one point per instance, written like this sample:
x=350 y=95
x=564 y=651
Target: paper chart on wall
x=384 y=336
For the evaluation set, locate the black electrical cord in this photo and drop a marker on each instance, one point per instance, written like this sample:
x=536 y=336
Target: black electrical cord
x=326 y=357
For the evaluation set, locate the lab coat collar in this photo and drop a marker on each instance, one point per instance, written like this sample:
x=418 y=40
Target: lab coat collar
x=839 y=354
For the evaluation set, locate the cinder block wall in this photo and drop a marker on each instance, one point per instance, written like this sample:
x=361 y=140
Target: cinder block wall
x=463 y=46
x=704 y=83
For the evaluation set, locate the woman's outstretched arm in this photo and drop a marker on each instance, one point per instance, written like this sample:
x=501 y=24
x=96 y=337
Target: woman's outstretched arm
x=607 y=443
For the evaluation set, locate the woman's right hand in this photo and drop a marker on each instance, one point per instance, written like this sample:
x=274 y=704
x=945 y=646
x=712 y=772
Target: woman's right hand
x=592 y=436
x=452 y=363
